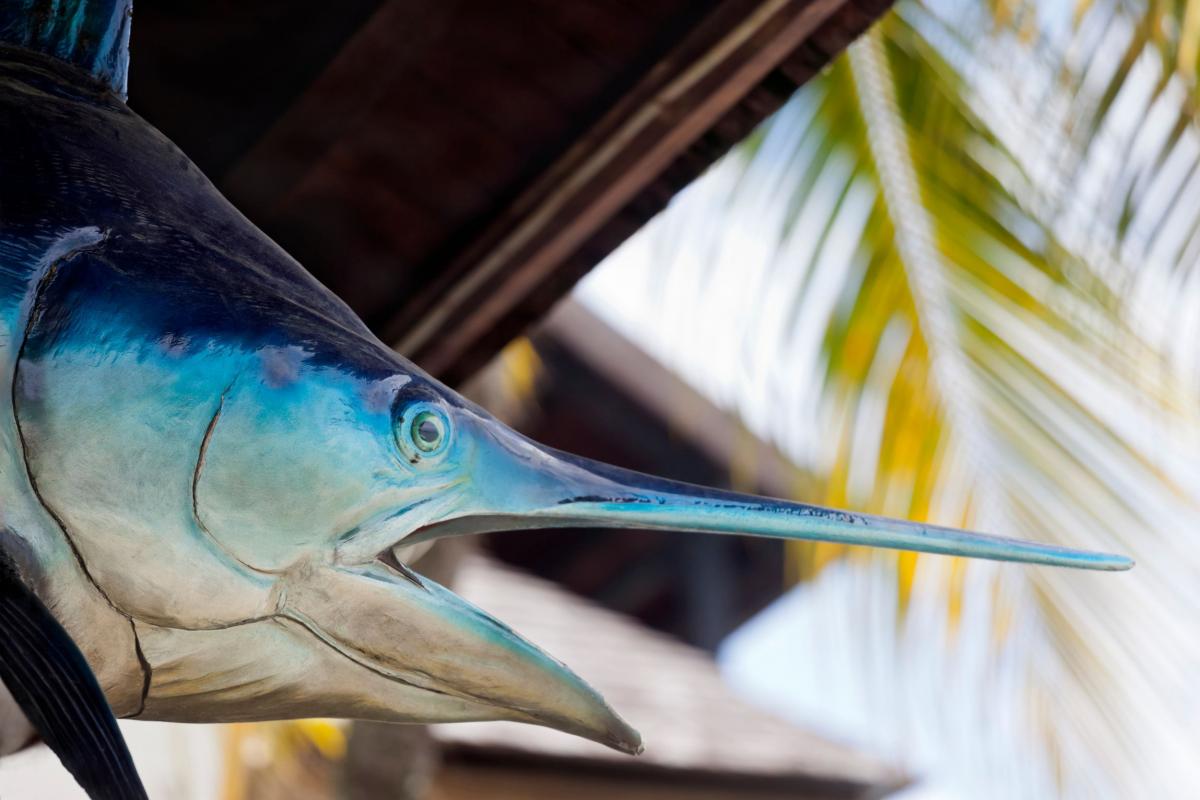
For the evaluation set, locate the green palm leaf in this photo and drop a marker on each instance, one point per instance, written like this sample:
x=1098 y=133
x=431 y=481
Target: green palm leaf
x=960 y=269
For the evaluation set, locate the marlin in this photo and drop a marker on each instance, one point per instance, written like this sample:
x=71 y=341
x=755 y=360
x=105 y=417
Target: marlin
x=212 y=472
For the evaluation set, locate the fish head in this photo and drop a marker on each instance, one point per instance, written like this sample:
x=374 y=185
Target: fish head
x=335 y=478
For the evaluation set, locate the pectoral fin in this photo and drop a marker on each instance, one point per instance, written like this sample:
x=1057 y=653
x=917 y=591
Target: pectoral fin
x=52 y=683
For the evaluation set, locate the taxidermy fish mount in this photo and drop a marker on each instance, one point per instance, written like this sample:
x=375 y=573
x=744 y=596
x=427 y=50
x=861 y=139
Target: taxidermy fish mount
x=210 y=468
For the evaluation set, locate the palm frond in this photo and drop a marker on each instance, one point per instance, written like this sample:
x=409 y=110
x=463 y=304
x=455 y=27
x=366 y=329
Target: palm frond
x=957 y=269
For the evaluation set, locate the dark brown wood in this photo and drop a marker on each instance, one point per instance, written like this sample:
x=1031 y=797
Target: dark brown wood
x=703 y=92
x=429 y=122
x=215 y=75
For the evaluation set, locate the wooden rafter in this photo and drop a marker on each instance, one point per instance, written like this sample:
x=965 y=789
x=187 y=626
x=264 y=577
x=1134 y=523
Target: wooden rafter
x=557 y=228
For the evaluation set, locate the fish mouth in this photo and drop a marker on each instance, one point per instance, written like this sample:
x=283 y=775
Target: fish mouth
x=382 y=534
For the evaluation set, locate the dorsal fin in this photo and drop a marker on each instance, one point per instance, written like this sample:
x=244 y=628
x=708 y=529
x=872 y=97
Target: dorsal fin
x=90 y=34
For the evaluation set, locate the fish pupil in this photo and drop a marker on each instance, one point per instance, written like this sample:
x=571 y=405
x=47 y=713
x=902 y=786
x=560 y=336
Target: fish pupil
x=428 y=431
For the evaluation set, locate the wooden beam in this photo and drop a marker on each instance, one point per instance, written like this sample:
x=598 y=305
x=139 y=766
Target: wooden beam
x=556 y=229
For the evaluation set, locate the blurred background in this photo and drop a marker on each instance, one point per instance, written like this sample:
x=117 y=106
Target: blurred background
x=952 y=274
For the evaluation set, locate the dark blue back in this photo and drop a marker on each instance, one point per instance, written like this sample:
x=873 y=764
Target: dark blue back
x=177 y=260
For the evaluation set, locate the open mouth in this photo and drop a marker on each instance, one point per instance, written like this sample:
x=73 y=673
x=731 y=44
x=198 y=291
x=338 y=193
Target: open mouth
x=382 y=536
x=391 y=560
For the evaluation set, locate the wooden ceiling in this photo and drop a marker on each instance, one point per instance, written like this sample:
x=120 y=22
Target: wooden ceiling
x=452 y=167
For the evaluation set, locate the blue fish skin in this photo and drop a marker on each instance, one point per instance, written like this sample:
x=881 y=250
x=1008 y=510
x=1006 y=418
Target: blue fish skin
x=189 y=264
x=162 y=296
x=205 y=438
x=92 y=35
x=30 y=238
x=139 y=304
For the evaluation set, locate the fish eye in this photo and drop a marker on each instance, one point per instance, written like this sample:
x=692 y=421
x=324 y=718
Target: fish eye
x=422 y=430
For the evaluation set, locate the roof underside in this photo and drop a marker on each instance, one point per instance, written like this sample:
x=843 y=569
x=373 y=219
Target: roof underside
x=451 y=169
x=691 y=721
